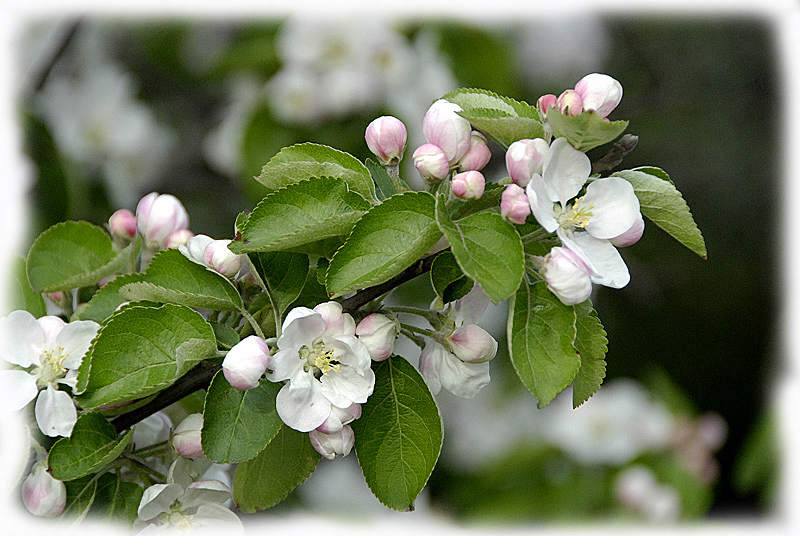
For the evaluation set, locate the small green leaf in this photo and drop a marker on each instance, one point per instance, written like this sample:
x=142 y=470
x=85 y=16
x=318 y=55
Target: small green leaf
x=447 y=279
x=592 y=346
x=237 y=425
x=505 y=130
x=284 y=464
x=487 y=249
x=106 y=300
x=301 y=213
x=173 y=278
x=81 y=493
x=586 y=130
x=117 y=500
x=92 y=444
x=664 y=205
x=399 y=434
x=489 y=201
x=226 y=336
x=384 y=242
x=283 y=274
x=21 y=295
x=381 y=177
x=70 y=255
x=541 y=331
x=306 y=160
x=141 y=350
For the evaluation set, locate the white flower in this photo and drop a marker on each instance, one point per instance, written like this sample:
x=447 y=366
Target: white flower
x=334 y=444
x=325 y=365
x=42 y=494
x=609 y=209
x=50 y=350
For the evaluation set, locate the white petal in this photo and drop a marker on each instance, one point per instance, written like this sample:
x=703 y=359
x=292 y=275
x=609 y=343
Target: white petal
x=215 y=516
x=461 y=379
x=157 y=499
x=346 y=386
x=356 y=352
x=427 y=366
x=541 y=204
x=22 y=339
x=18 y=387
x=607 y=265
x=615 y=209
x=301 y=327
x=470 y=308
x=205 y=492
x=286 y=364
x=302 y=408
x=55 y=412
x=565 y=171
x=75 y=338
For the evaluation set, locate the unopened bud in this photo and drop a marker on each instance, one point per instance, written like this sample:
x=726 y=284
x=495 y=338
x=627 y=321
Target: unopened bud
x=524 y=158
x=42 y=494
x=337 y=322
x=567 y=276
x=246 y=362
x=195 y=248
x=157 y=216
x=386 y=137
x=469 y=185
x=222 y=260
x=570 y=102
x=431 y=161
x=178 y=238
x=477 y=155
x=332 y=445
x=546 y=102
x=514 y=204
x=472 y=344
x=599 y=93
x=378 y=333
x=122 y=224
x=339 y=417
x=443 y=127
x=186 y=439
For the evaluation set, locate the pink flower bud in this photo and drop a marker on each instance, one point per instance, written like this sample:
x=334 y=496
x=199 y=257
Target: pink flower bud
x=514 y=204
x=222 y=260
x=122 y=224
x=178 y=238
x=431 y=161
x=524 y=158
x=599 y=92
x=337 y=322
x=42 y=494
x=332 y=445
x=378 y=333
x=443 y=127
x=186 y=439
x=246 y=362
x=631 y=236
x=195 y=248
x=386 y=137
x=570 y=102
x=157 y=216
x=477 y=155
x=472 y=344
x=60 y=298
x=545 y=102
x=567 y=276
x=469 y=185
x=339 y=417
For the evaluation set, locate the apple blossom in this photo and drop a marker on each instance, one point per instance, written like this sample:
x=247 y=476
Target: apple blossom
x=567 y=276
x=599 y=93
x=195 y=248
x=469 y=185
x=178 y=238
x=51 y=350
x=441 y=368
x=569 y=102
x=514 y=204
x=325 y=365
x=246 y=362
x=186 y=439
x=431 y=162
x=338 y=418
x=524 y=158
x=477 y=155
x=546 y=102
x=222 y=260
x=472 y=344
x=334 y=444
x=122 y=224
x=378 y=333
x=157 y=216
x=443 y=127
x=42 y=494
x=386 y=137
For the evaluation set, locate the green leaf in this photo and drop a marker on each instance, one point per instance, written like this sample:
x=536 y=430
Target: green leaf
x=21 y=295
x=586 y=130
x=592 y=345
x=226 y=336
x=284 y=464
x=505 y=130
x=237 y=425
x=106 y=300
x=92 y=444
x=399 y=434
x=117 y=500
x=384 y=242
x=541 y=330
x=381 y=177
x=72 y=254
x=306 y=160
x=81 y=493
x=487 y=249
x=141 y=350
x=489 y=201
x=174 y=278
x=301 y=213
x=447 y=279
x=664 y=205
x=283 y=274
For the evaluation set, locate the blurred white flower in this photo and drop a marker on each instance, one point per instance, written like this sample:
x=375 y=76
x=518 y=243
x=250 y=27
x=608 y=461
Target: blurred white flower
x=637 y=489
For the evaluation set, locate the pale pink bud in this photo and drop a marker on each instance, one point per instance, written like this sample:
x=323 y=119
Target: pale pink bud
x=378 y=333
x=567 y=276
x=195 y=248
x=42 y=494
x=386 y=137
x=545 y=102
x=332 y=445
x=469 y=185
x=157 y=216
x=631 y=236
x=431 y=161
x=524 y=158
x=178 y=238
x=186 y=439
x=60 y=298
x=599 y=92
x=339 y=417
x=472 y=344
x=712 y=430
x=336 y=321
x=477 y=155
x=222 y=260
x=570 y=103
x=122 y=224
x=514 y=204
x=443 y=127
x=246 y=362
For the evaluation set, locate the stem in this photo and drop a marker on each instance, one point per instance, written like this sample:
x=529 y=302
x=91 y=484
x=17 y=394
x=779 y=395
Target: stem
x=393 y=170
x=614 y=156
x=415 y=329
x=253 y=322
x=151 y=450
x=143 y=471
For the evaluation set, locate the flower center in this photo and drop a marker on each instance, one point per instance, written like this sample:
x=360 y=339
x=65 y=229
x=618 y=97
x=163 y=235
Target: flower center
x=576 y=215
x=52 y=365
x=319 y=359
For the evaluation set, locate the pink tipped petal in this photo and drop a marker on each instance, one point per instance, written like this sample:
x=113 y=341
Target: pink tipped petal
x=55 y=412
x=427 y=366
x=566 y=170
x=615 y=207
x=631 y=236
x=600 y=93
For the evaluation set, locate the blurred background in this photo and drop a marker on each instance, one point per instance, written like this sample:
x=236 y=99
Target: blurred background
x=112 y=109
